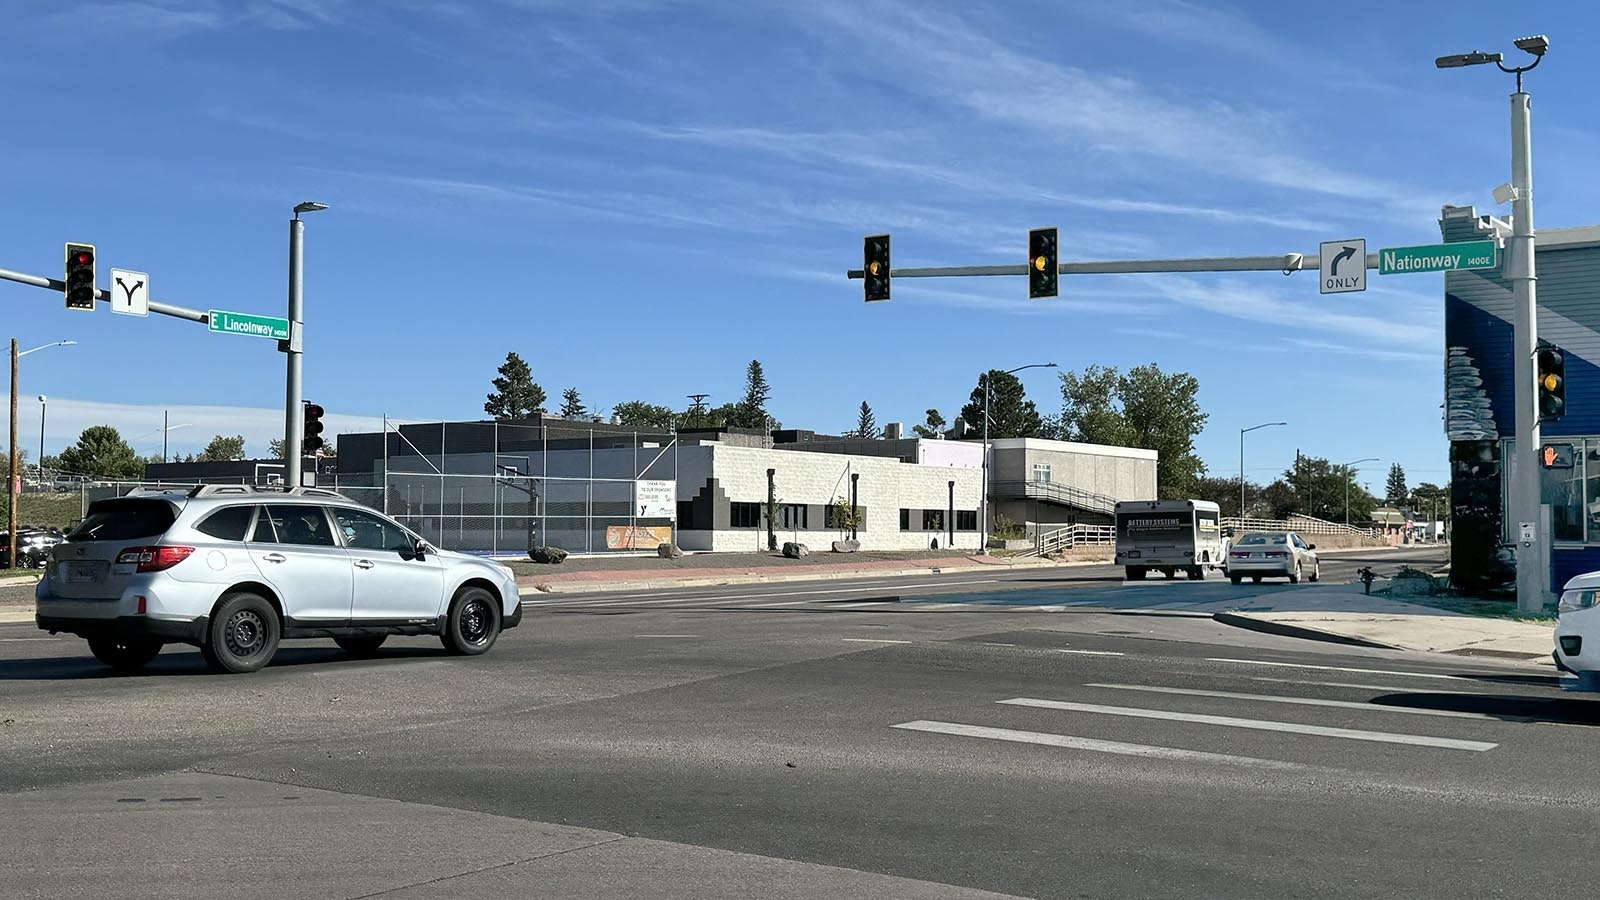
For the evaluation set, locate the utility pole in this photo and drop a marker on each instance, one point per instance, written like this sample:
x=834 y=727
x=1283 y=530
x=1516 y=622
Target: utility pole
x=14 y=477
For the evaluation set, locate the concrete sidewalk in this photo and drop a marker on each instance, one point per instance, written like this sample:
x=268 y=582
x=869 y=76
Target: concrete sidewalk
x=1342 y=614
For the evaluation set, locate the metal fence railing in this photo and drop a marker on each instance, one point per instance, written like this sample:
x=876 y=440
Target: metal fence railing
x=1070 y=536
x=1299 y=524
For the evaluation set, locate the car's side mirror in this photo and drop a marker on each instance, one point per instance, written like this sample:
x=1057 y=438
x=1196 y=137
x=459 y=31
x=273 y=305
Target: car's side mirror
x=419 y=551
x=1311 y=546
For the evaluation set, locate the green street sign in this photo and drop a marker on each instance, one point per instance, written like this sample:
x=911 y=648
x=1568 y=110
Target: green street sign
x=1437 y=258
x=249 y=324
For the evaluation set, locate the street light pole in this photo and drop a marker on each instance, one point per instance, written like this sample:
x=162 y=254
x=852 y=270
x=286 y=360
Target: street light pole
x=39 y=463
x=1519 y=271
x=1346 y=469
x=1242 y=433
x=983 y=501
x=14 y=482
x=293 y=423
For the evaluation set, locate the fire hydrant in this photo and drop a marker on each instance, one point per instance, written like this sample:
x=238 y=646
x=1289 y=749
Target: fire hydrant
x=1367 y=578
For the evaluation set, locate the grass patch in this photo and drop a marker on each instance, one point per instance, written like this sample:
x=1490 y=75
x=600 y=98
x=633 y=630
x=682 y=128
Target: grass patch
x=48 y=510
x=1479 y=606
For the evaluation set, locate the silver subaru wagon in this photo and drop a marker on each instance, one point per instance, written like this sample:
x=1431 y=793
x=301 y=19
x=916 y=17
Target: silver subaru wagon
x=232 y=570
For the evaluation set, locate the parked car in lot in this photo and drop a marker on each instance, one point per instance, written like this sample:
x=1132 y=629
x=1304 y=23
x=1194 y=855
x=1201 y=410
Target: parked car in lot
x=33 y=547
x=1272 y=554
x=1578 y=627
x=233 y=570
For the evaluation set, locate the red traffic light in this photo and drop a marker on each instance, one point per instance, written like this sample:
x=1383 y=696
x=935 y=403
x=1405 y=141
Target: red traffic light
x=313 y=411
x=84 y=259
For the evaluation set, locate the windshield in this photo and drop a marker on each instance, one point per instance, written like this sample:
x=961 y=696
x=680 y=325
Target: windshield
x=124 y=520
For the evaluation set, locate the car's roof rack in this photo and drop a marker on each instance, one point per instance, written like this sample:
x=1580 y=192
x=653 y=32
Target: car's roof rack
x=219 y=490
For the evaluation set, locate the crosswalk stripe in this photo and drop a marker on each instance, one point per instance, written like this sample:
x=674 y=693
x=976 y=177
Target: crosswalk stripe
x=1297 y=701
x=1287 y=665
x=1382 y=737
x=1093 y=745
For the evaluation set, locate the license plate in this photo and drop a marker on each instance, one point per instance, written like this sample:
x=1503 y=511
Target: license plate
x=82 y=572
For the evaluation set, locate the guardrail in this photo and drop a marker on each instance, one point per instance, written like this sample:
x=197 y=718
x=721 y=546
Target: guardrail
x=1299 y=524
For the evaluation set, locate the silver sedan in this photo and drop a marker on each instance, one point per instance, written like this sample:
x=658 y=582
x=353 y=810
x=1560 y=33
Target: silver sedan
x=1277 y=554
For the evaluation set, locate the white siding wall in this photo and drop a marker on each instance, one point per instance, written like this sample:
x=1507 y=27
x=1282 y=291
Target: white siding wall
x=885 y=486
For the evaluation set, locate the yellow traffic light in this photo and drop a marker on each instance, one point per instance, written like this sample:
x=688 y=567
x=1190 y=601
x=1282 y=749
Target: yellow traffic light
x=1550 y=382
x=1039 y=262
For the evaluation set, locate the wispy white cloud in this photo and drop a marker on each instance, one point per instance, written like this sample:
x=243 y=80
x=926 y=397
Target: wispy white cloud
x=1251 y=303
x=949 y=60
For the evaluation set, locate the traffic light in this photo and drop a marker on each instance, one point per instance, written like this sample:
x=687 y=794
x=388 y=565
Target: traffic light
x=313 y=430
x=1551 y=369
x=875 y=267
x=1042 y=263
x=80 y=276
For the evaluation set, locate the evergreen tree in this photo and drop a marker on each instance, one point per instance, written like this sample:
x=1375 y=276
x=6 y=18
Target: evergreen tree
x=751 y=412
x=1395 y=493
x=515 y=395
x=1011 y=413
x=571 y=406
x=866 y=423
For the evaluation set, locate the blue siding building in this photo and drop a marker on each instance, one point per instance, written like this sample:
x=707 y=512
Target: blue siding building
x=1479 y=413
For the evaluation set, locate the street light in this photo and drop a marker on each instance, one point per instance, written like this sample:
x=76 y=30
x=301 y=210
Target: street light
x=39 y=463
x=1242 y=433
x=1523 y=493
x=983 y=515
x=14 y=489
x=293 y=424
x=1346 y=468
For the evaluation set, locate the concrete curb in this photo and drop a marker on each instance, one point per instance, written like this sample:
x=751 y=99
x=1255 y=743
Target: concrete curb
x=1251 y=623
x=533 y=587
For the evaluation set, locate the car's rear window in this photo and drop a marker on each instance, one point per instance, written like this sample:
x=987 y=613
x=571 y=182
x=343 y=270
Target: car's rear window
x=228 y=523
x=1262 y=539
x=124 y=520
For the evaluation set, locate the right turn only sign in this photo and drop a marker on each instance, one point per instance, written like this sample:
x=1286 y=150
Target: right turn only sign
x=1344 y=266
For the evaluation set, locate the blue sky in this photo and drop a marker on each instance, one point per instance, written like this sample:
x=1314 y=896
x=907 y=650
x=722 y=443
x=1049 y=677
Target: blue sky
x=641 y=196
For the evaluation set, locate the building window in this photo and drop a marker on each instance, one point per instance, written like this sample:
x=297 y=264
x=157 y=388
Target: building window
x=792 y=516
x=905 y=520
x=966 y=520
x=686 y=515
x=830 y=516
x=744 y=515
x=1041 y=472
x=933 y=520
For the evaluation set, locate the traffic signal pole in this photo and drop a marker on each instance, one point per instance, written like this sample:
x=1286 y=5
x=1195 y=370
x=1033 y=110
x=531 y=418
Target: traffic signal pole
x=1286 y=263
x=1524 y=499
x=293 y=423
x=57 y=285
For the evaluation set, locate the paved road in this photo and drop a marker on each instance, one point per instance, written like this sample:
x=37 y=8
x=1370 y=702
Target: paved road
x=696 y=750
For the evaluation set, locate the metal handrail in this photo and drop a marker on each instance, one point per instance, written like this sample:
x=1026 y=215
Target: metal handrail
x=1064 y=494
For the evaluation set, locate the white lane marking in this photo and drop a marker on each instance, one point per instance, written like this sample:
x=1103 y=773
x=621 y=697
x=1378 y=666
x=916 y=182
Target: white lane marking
x=1071 y=742
x=647 y=600
x=1091 y=652
x=1382 y=737
x=935 y=607
x=666 y=635
x=1406 y=689
x=1297 y=701
x=31 y=639
x=875 y=641
x=996 y=644
x=1263 y=662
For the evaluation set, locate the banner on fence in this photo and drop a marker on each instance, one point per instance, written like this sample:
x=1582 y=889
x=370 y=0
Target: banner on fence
x=637 y=537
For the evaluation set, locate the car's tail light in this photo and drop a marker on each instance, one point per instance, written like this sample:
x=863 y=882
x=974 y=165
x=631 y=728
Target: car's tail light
x=1276 y=554
x=1240 y=554
x=153 y=559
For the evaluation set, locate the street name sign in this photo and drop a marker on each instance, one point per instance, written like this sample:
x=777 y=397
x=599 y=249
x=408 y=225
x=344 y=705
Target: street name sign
x=130 y=292
x=1344 y=266
x=1437 y=257
x=248 y=324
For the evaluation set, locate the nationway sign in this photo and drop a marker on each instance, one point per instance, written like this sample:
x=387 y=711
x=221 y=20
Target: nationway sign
x=1344 y=266
x=1438 y=257
x=130 y=292
x=248 y=324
